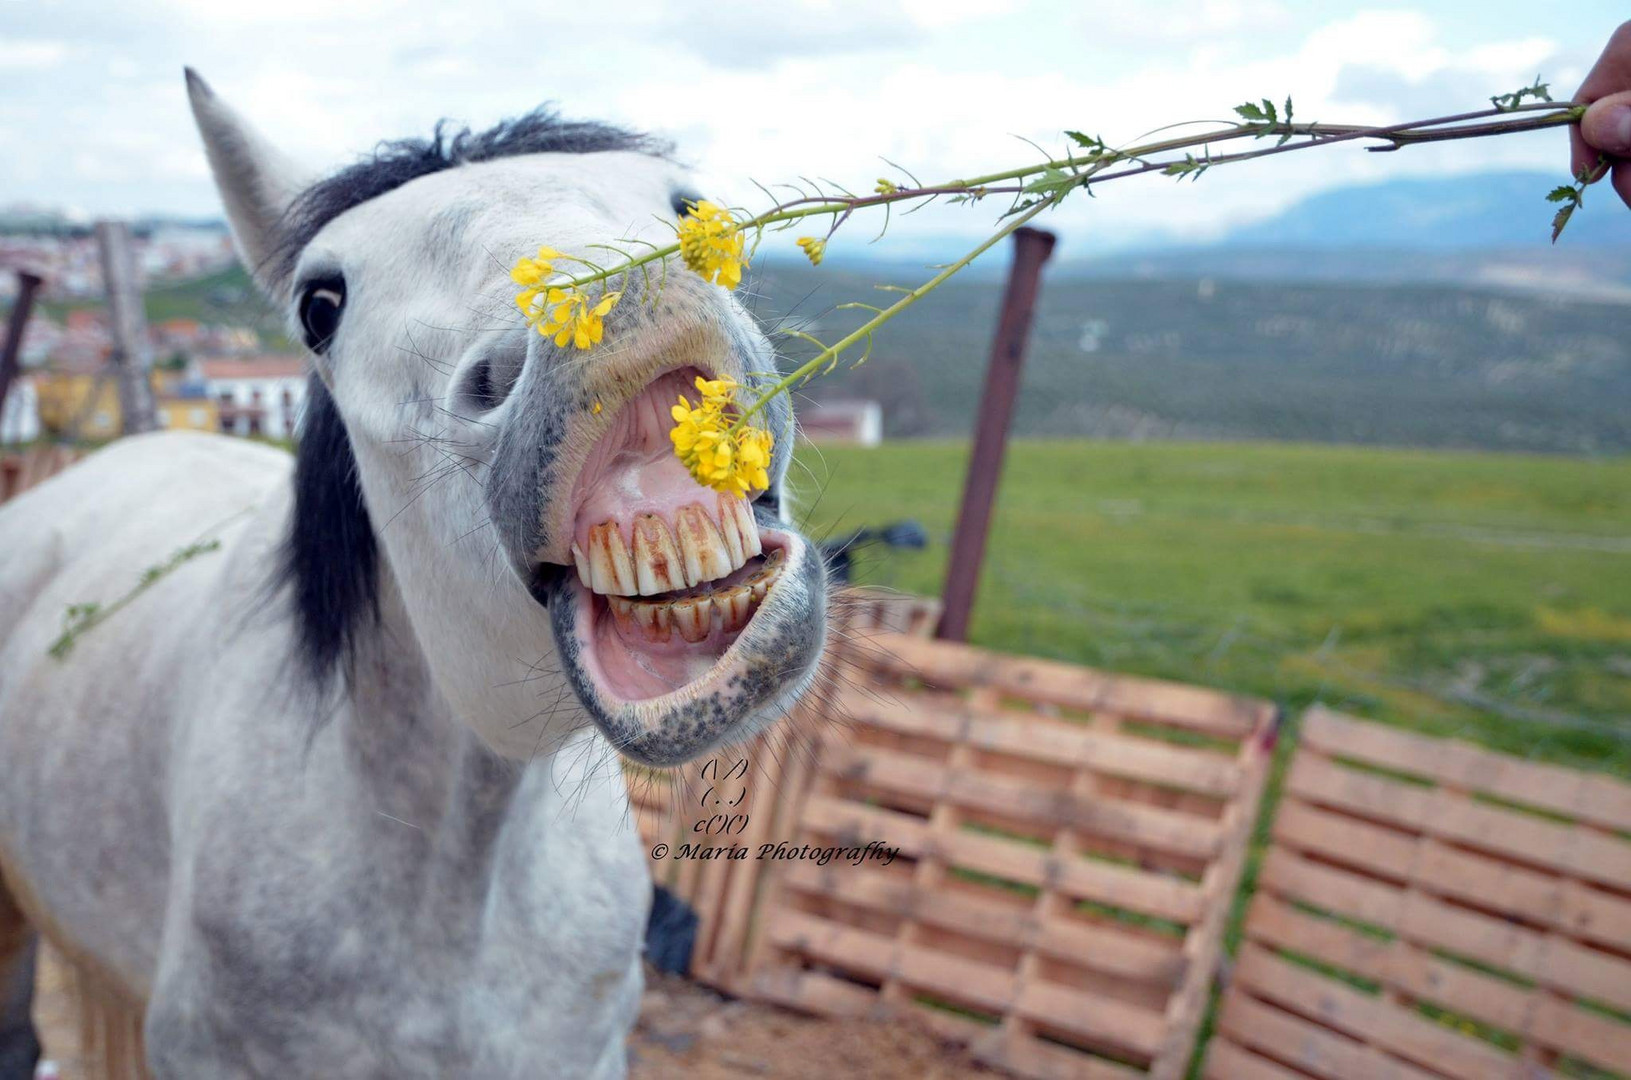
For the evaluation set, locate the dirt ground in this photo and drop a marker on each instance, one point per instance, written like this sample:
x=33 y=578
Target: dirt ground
x=685 y=1031
x=689 y=1031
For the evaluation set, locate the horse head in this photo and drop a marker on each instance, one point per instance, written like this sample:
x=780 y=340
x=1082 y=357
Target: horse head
x=516 y=504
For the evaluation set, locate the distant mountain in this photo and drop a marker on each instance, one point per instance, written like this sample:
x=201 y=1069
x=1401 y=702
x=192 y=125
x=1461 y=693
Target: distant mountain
x=1432 y=365
x=1482 y=210
x=1487 y=229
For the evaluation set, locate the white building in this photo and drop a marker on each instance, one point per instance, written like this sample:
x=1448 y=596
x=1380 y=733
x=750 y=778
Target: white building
x=856 y=422
x=258 y=395
x=20 y=415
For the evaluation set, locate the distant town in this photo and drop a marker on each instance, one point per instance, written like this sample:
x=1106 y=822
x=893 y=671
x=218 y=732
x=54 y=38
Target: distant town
x=221 y=366
x=207 y=376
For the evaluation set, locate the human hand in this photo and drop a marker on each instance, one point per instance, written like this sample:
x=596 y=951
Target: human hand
x=1606 y=128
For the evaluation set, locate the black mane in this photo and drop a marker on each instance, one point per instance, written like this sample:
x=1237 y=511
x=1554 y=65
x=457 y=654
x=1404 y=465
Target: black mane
x=397 y=161
x=330 y=559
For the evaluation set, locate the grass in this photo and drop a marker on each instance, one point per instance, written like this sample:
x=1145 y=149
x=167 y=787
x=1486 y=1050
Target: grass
x=1486 y=596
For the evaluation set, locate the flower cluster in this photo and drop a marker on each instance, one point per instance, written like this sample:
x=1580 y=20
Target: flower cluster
x=533 y=275
x=813 y=249
x=711 y=243
x=569 y=316
x=720 y=450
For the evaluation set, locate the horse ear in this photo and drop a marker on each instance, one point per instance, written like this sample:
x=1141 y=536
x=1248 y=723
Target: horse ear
x=257 y=182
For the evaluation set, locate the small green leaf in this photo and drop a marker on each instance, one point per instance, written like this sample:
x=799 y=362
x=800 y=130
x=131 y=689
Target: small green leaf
x=1507 y=102
x=1561 y=219
x=1249 y=111
x=1050 y=182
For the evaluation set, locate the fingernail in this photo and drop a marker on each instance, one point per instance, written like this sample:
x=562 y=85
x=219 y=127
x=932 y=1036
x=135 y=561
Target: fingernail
x=1619 y=123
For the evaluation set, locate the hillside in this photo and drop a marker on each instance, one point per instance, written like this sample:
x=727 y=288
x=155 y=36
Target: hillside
x=1430 y=366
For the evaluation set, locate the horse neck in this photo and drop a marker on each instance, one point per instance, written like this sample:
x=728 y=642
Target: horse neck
x=403 y=748
x=472 y=625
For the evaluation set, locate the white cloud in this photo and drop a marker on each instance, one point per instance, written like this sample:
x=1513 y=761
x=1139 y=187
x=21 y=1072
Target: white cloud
x=771 y=91
x=31 y=55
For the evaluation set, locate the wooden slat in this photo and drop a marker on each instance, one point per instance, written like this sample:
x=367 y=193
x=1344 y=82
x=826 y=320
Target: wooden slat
x=1112 y=952
x=1344 y=1009
x=1028 y=736
x=1588 y=797
x=965 y=982
x=1134 y=890
x=1421 y=975
x=1567 y=849
x=1226 y=1061
x=1562 y=964
x=940 y=663
x=1116 y=819
x=1589 y=1036
x=1315 y=1049
x=1029 y=1056
x=1485 y=882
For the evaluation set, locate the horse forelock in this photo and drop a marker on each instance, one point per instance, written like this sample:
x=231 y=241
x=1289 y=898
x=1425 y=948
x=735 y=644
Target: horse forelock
x=330 y=558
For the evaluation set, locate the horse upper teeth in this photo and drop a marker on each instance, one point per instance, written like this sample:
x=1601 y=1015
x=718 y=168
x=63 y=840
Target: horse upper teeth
x=702 y=544
x=656 y=558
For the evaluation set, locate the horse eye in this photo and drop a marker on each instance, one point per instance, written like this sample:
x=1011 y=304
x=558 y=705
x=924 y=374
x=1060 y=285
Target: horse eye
x=682 y=201
x=320 y=306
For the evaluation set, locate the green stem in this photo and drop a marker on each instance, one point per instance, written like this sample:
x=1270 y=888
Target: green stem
x=90 y=616
x=830 y=354
x=1557 y=114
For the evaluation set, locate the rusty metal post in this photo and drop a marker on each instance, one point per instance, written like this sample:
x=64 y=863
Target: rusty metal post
x=11 y=352
x=132 y=351
x=1031 y=249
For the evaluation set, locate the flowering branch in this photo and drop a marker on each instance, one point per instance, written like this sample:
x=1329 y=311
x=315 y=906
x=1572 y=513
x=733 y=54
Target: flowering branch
x=715 y=437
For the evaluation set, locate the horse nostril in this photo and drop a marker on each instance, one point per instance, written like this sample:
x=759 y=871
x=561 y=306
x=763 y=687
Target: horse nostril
x=485 y=384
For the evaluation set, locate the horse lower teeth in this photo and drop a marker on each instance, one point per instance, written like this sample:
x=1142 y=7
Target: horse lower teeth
x=695 y=618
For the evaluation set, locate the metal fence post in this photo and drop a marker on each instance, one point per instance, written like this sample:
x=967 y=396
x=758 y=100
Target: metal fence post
x=1031 y=249
x=11 y=352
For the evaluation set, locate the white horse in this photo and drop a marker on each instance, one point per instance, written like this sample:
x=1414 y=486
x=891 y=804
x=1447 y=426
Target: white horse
x=338 y=799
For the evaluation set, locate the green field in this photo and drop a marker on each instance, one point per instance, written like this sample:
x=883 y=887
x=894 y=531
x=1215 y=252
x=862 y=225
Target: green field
x=1480 y=595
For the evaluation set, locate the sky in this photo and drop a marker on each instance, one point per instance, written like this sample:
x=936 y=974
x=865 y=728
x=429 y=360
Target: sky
x=93 y=113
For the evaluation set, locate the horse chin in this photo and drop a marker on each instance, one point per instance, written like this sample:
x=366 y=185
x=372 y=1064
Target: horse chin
x=664 y=693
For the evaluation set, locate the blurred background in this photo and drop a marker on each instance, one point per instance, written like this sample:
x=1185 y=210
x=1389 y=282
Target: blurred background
x=1337 y=427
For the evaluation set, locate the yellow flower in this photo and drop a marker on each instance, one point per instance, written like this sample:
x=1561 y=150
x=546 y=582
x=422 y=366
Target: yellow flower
x=711 y=243
x=813 y=249
x=568 y=315
x=886 y=187
x=719 y=450
x=532 y=274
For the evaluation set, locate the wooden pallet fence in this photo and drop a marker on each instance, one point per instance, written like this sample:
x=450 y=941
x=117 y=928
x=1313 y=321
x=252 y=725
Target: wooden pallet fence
x=866 y=611
x=738 y=797
x=1429 y=909
x=1069 y=842
x=746 y=796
